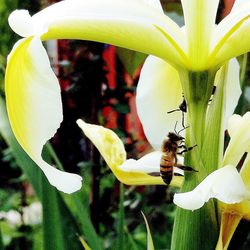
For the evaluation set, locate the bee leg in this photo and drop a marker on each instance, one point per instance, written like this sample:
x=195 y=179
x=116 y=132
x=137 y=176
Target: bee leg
x=186 y=149
x=174 y=110
x=155 y=174
x=186 y=168
x=183 y=120
x=177 y=174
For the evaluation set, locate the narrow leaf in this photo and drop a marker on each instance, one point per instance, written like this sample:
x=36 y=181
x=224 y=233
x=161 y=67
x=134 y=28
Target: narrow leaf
x=150 y=243
x=1 y=240
x=59 y=223
x=84 y=243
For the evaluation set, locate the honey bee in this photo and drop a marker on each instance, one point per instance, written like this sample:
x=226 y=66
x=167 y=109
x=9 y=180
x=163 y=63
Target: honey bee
x=171 y=147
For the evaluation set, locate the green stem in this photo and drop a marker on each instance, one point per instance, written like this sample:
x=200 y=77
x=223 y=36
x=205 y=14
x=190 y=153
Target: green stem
x=189 y=226
x=120 y=227
x=197 y=87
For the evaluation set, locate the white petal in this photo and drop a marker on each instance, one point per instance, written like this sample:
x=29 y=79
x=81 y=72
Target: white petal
x=234 y=124
x=237 y=5
x=21 y=22
x=35 y=108
x=63 y=181
x=154 y=3
x=233 y=90
x=224 y=184
x=150 y=163
x=159 y=91
x=126 y=24
x=239 y=139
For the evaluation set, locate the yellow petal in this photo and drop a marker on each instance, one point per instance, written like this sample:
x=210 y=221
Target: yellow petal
x=112 y=150
x=35 y=108
x=231 y=36
x=244 y=172
x=229 y=223
x=231 y=214
x=132 y=24
x=199 y=24
x=158 y=92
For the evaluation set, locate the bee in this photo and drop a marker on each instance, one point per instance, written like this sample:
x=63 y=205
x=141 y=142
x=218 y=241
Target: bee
x=171 y=147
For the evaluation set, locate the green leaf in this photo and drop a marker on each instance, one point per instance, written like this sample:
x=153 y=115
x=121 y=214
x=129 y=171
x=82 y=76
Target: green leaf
x=150 y=244
x=1 y=239
x=131 y=241
x=84 y=244
x=59 y=226
x=130 y=59
x=76 y=205
x=53 y=237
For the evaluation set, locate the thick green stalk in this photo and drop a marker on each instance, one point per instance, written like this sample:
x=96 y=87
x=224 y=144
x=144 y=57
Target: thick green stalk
x=197 y=87
x=195 y=230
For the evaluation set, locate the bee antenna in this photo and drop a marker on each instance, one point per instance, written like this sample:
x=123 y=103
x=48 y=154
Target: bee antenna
x=175 y=127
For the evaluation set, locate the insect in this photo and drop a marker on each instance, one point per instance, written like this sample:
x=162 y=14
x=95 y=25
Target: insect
x=183 y=107
x=171 y=147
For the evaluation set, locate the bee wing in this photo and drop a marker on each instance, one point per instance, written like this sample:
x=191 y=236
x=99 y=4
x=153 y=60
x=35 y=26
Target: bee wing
x=178 y=171
x=180 y=160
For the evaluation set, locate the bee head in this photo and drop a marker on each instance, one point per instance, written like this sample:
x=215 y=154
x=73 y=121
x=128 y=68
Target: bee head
x=175 y=137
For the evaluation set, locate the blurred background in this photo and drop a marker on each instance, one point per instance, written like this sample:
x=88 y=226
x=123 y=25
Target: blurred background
x=98 y=83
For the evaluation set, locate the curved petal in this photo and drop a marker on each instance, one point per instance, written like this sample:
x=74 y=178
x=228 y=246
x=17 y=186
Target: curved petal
x=150 y=164
x=35 y=108
x=158 y=92
x=132 y=24
x=199 y=24
x=234 y=124
x=112 y=150
x=231 y=36
x=216 y=185
x=239 y=139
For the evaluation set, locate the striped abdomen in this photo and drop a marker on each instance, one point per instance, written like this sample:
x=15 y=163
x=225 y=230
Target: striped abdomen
x=166 y=166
